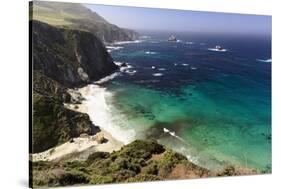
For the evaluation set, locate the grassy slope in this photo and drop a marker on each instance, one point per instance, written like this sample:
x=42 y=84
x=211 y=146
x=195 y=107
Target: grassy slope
x=62 y=13
x=76 y=16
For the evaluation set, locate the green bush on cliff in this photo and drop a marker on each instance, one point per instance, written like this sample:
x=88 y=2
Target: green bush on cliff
x=145 y=149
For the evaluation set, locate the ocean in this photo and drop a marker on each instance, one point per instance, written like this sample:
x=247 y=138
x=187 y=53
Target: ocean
x=213 y=106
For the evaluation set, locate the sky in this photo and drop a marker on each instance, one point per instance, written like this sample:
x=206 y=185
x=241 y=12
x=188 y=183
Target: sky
x=183 y=20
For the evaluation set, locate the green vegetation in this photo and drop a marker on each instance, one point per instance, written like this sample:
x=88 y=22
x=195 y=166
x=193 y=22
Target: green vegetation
x=135 y=162
x=53 y=124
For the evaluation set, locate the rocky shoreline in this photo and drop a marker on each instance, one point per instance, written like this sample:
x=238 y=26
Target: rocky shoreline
x=79 y=148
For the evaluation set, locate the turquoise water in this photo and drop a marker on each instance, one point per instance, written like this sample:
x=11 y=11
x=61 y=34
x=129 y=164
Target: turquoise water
x=218 y=104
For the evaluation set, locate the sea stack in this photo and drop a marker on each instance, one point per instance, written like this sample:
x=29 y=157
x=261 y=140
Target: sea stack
x=172 y=38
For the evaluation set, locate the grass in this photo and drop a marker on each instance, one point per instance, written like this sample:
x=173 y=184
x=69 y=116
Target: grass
x=53 y=17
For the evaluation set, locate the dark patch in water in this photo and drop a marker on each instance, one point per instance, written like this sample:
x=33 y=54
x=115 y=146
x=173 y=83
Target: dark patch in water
x=267 y=136
x=157 y=130
x=144 y=111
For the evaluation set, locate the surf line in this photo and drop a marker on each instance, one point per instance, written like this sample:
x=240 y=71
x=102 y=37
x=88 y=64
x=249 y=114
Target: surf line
x=172 y=133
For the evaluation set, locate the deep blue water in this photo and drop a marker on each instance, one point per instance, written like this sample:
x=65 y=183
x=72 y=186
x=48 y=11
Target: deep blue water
x=217 y=103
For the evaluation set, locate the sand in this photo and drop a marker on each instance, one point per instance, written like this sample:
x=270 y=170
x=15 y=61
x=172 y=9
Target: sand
x=81 y=147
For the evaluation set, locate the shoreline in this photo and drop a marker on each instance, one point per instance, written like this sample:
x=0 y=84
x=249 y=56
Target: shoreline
x=81 y=147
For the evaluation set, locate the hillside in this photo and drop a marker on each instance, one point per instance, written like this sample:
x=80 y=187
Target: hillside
x=62 y=59
x=77 y=16
x=135 y=162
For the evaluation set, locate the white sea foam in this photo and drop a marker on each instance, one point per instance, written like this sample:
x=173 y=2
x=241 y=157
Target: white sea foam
x=162 y=69
x=267 y=60
x=131 y=72
x=175 y=64
x=113 y=48
x=100 y=112
x=124 y=68
x=193 y=68
x=127 y=42
x=150 y=52
x=217 y=50
x=157 y=74
x=152 y=67
x=128 y=65
x=107 y=78
x=173 y=133
x=185 y=64
x=166 y=130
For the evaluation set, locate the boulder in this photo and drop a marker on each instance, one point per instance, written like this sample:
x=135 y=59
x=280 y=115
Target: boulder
x=99 y=137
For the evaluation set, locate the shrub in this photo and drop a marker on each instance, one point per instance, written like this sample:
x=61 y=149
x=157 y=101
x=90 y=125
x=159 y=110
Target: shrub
x=98 y=179
x=144 y=177
x=96 y=156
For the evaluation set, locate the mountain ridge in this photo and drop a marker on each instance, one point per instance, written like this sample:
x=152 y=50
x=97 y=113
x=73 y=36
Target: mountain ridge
x=76 y=16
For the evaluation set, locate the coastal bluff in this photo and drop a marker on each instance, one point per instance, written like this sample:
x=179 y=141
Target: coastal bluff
x=62 y=59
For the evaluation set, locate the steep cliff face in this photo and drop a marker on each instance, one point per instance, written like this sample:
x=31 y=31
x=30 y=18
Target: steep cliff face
x=79 y=17
x=62 y=59
x=70 y=57
x=53 y=124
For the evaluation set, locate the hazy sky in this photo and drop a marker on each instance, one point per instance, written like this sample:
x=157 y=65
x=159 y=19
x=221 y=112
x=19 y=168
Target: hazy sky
x=181 y=20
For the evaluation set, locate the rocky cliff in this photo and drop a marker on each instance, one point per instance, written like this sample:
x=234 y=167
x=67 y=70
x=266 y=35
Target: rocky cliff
x=62 y=59
x=70 y=57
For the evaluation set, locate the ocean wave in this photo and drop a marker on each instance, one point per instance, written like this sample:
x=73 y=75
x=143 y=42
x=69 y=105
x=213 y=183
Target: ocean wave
x=113 y=48
x=127 y=42
x=157 y=74
x=100 y=112
x=193 y=68
x=162 y=69
x=266 y=60
x=107 y=78
x=217 y=50
x=185 y=64
x=150 y=52
x=131 y=72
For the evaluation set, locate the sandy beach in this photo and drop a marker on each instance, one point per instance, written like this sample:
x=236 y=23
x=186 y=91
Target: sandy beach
x=81 y=147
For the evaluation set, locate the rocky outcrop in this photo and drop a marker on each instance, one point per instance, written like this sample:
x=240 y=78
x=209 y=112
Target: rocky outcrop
x=70 y=57
x=54 y=124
